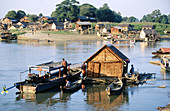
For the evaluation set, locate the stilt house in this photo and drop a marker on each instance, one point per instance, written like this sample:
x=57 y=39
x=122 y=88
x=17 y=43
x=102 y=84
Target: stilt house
x=107 y=62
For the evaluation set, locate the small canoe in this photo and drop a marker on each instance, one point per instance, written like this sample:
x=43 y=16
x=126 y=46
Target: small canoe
x=115 y=87
x=74 y=87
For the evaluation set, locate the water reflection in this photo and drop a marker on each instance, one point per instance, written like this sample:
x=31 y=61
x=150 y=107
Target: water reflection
x=98 y=98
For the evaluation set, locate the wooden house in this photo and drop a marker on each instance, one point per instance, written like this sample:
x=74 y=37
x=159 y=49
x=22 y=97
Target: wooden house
x=108 y=61
x=14 y=27
x=46 y=26
x=9 y=21
x=57 y=25
x=34 y=25
x=148 y=34
x=68 y=25
x=148 y=27
x=99 y=27
x=24 y=19
x=126 y=27
x=116 y=30
x=82 y=25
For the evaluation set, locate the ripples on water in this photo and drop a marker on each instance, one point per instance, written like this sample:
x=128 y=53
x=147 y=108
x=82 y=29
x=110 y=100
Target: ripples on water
x=17 y=56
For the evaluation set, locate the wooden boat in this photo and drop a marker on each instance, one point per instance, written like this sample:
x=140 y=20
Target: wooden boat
x=115 y=87
x=74 y=87
x=52 y=77
x=165 y=61
x=7 y=36
x=162 y=52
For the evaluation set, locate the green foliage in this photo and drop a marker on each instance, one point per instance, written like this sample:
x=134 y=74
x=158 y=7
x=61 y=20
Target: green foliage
x=17 y=32
x=20 y=14
x=156 y=17
x=125 y=19
x=131 y=19
x=105 y=14
x=11 y=14
x=87 y=10
x=66 y=10
x=32 y=17
x=40 y=15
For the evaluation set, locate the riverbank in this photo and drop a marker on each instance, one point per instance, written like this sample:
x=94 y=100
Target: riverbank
x=39 y=36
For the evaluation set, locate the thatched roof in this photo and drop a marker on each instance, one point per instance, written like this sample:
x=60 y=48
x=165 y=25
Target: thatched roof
x=114 y=49
x=150 y=31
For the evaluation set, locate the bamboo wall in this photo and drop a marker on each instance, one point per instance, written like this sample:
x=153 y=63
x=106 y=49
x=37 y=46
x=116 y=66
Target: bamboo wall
x=105 y=64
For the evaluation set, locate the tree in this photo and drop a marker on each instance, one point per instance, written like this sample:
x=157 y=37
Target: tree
x=87 y=10
x=105 y=14
x=66 y=10
x=118 y=17
x=32 y=18
x=132 y=19
x=155 y=14
x=40 y=14
x=125 y=19
x=20 y=14
x=169 y=18
x=11 y=14
x=164 y=19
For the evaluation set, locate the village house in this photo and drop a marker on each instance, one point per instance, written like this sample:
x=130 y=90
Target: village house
x=82 y=25
x=47 y=19
x=126 y=27
x=99 y=27
x=108 y=61
x=46 y=26
x=24 y=19
x=148 y=34
x=57 y=25
x=68 y=25
x=116 y=30
x=14 y=27
x=34 y=25
x=9 y=22
x=148 y=27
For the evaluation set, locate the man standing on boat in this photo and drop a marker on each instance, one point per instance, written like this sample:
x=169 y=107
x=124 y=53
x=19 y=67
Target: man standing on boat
x=132 y=69
x=83 y=70
x=64 y=64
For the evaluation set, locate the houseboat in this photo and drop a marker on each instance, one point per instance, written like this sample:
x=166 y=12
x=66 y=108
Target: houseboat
x=162 y=52
x=165 y=61
x=52 y=77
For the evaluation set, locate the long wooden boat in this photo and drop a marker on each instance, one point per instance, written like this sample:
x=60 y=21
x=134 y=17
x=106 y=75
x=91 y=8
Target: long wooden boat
x=7 y=36
x=162 y=52
x=74 y=87
x=52 y=77
x=115 y=87
x=165 y=62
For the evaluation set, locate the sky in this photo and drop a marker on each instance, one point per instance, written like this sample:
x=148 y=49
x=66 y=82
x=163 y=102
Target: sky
x=136 y=8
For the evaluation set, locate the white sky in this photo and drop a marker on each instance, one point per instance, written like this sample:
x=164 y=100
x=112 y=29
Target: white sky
x=136 y=8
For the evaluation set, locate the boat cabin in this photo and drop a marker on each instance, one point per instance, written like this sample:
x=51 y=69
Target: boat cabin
x=108 y=61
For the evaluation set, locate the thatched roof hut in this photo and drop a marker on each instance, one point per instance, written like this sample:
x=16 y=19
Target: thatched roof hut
x=108 y=61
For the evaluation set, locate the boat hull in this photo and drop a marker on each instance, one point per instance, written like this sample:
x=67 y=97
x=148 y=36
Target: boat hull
x=36 y=88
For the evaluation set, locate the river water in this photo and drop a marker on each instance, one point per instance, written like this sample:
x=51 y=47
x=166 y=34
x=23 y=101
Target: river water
x=16 y=56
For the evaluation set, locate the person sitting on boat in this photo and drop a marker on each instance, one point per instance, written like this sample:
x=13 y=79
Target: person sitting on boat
x=64 y=64
x=132 y=69
x=68 y=84
x=83 y=70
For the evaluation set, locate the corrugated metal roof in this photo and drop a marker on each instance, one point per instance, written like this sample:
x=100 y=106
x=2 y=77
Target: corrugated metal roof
x=150 y=31
x=165 y=50
x=117 y=27
x=84 y=23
